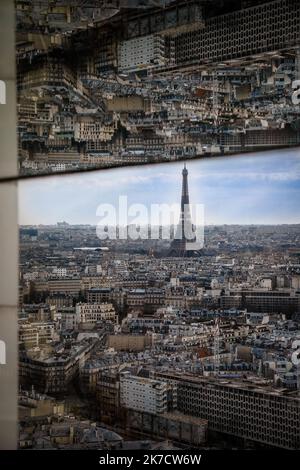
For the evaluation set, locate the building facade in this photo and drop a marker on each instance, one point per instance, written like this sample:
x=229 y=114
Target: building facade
x=240 y=409
x=142 y=394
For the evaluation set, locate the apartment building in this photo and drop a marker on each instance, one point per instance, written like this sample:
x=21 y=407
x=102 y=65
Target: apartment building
x=262 y=300
x=145 y=323
x=143 y=394
x=255 y=30
x=47 y=72
x=155 y=297
x=136 y=297
x=99 y=295
x=93 y=313
x=259 y=138
x=71 y=286
x=108 y=395
x=243 y=409
x=52 y=373
x=89 y=129
x=141 y=52
x=32 y=334
x=60 y=272
x=88 y=377
x=151 y=297
x=60 y=300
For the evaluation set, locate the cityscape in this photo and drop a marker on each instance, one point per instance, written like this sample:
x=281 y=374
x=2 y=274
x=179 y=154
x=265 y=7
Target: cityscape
x=150 y=232
x=146 y=344
x=120 y=82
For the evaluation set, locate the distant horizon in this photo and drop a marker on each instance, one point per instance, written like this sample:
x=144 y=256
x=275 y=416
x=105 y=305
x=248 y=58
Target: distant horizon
x=208 y=225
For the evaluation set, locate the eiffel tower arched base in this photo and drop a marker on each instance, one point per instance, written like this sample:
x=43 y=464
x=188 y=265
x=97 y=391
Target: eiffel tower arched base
x=176 y=252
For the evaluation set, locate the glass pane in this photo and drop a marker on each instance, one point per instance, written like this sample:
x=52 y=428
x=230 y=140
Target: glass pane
x=132 y=331
x=103 y=84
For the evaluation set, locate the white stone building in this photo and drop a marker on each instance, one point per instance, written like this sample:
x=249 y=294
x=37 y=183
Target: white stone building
x=138 y=53
x=143 y=394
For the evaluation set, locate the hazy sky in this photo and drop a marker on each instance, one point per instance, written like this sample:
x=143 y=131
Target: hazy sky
x=261 y=188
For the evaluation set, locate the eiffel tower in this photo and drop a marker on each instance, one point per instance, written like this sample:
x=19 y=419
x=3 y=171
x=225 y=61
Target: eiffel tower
x=182 y=245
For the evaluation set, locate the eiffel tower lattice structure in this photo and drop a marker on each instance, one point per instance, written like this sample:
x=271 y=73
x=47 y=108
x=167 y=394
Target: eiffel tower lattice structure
x=185 y=238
